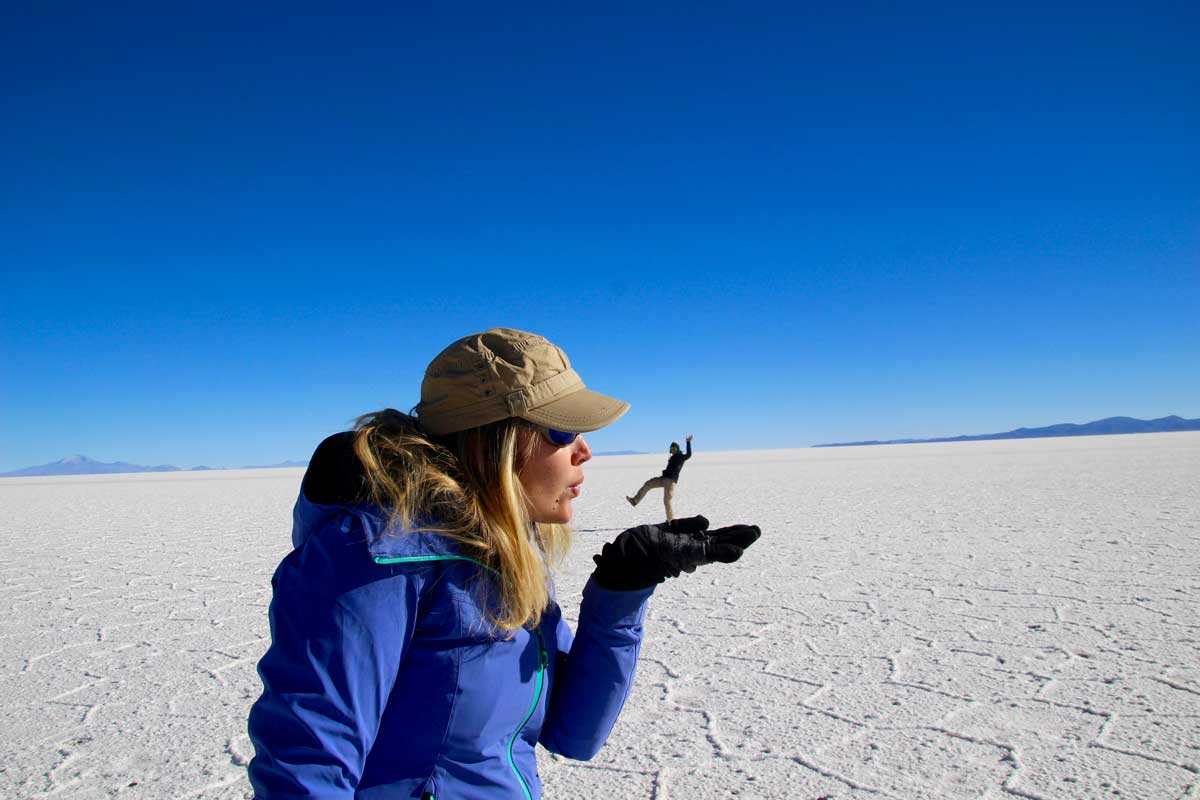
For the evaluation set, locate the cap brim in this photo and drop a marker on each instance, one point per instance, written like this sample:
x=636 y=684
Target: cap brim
x=579 y=412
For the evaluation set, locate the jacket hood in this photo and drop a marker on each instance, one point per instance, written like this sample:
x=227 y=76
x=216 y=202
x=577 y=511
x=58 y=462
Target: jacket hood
x=333 y=492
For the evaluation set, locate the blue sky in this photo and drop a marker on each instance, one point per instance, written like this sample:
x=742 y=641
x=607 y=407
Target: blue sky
x=229 y=229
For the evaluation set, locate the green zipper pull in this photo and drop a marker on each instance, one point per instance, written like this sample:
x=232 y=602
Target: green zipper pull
x=543 y=656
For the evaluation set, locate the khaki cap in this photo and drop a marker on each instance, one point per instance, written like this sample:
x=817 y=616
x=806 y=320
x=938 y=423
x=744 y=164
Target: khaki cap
x=502 y=373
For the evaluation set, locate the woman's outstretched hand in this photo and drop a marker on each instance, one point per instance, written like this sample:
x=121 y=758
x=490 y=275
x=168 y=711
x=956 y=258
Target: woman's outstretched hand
x=648 y=554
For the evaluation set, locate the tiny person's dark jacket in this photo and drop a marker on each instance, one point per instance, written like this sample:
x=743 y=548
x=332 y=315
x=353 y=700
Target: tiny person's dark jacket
x=676 y=463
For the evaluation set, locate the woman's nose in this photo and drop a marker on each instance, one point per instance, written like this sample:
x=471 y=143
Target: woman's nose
x=582 y=451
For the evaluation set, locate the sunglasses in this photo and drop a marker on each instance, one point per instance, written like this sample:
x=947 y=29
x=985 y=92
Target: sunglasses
x=557 y=438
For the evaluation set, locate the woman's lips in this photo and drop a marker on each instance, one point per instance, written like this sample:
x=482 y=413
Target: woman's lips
x=574 y=489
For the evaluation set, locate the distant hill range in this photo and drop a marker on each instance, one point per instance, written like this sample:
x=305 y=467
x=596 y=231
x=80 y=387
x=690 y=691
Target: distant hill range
x=82 y=465
x=1101 y=427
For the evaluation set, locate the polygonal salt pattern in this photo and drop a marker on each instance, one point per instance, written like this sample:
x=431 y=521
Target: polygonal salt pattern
x=986 y=620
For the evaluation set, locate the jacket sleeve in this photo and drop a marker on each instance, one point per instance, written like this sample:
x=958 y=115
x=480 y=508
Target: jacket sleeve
x=332 y=663
x=594 y=673
x=689 y=451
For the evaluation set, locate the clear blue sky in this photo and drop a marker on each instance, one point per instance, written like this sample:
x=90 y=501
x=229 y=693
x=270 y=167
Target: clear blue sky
x=228 y=229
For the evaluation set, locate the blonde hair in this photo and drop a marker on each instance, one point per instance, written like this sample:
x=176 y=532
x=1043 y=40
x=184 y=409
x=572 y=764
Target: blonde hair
x=467 y=486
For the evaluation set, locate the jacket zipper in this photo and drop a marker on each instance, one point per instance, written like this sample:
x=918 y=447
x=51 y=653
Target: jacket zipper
x=543 y=659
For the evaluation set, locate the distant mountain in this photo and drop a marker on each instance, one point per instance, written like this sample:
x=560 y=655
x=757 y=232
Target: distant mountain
x=1100 y=427
x=280 y=465
x=82 y=465
x=621 y=453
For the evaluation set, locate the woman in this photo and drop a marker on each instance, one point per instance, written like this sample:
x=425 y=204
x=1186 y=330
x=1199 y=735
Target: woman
x=417 y=650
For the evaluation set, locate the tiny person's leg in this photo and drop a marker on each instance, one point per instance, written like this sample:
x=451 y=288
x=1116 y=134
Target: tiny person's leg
x=647 y=486
x=668 y=496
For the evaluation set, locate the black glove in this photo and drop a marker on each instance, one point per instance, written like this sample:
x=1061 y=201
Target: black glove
x=648 y=554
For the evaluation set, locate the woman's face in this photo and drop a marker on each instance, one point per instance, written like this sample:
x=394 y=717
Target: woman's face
x=552 y=479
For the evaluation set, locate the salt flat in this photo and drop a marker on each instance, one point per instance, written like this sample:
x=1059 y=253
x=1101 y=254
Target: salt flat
x=967 y=620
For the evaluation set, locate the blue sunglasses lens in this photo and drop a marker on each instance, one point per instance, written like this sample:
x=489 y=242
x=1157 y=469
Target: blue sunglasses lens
x=560 y=438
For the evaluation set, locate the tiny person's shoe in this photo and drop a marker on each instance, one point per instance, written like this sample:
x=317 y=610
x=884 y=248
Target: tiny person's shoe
x=632 y=502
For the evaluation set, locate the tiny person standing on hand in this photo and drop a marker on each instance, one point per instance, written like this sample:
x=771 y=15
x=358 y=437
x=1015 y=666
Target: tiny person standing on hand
x=417 y=650
x=668 y=479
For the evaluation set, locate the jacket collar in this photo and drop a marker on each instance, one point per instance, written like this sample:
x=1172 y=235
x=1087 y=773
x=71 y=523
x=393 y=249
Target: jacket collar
x=383 y=540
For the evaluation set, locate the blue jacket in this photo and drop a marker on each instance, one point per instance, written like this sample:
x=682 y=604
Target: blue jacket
x=385 y=680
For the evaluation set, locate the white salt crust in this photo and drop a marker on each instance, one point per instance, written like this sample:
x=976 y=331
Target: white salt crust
x=970 y=620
